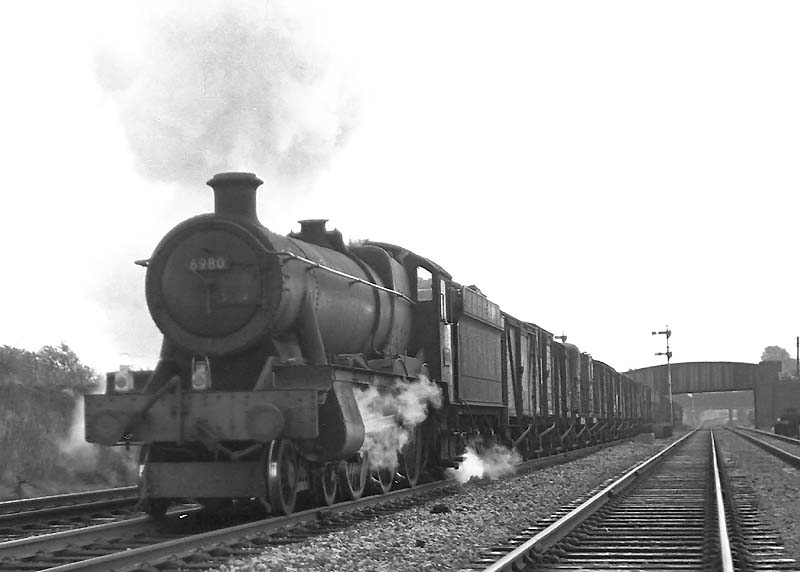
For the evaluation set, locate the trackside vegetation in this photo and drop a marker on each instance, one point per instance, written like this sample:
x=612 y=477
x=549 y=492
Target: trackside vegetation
x=41 y=427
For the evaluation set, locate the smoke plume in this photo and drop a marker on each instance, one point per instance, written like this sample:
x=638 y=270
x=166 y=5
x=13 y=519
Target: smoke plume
x=202 y=88
x=218 y=88
x=493 y=462
x=390 y=417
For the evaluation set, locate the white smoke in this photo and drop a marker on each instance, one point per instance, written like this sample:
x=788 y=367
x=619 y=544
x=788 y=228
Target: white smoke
x=89 y=463
x=74 y=447
x=391 y=415
x=228 y=86
x=493 y=462
x=203 y=87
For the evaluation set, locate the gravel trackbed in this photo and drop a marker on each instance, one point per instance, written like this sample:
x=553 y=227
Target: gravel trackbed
x=481 y=514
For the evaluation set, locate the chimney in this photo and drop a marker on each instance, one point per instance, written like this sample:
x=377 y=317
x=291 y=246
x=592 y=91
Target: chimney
x=235 y=194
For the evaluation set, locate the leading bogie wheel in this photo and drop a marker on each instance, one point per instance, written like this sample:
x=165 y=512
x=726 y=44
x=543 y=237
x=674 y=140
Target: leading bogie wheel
x=281 y=473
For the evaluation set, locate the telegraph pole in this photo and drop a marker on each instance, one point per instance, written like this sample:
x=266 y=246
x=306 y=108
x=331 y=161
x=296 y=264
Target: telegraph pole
x=667 y=332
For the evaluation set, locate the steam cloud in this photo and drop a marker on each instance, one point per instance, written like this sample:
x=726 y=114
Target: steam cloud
x=213 y=87
x=222 y=88
x=494 y=462
x=76 y=465
x=390 y=417
x=90 y=463
x=76 y=451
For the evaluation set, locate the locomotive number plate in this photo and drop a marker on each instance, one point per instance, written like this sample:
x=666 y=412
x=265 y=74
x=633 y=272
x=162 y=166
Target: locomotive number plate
x=209 y=263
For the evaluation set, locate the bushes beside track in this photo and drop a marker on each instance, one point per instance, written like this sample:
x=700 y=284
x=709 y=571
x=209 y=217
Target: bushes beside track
x=41 y=427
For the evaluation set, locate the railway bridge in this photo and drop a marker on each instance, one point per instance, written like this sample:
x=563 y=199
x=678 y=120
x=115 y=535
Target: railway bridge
x=701 y=386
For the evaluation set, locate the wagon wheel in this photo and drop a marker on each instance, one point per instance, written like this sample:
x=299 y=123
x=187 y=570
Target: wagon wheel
x=412 y=458
x=353 y=474
x=324 y=484
x=281 y=473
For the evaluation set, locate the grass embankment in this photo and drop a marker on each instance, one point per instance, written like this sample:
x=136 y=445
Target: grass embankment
x=41 y=427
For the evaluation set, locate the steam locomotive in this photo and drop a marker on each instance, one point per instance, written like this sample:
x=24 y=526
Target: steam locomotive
x=271 y=341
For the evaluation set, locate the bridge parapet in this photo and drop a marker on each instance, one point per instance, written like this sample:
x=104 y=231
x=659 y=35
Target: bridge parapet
x=707 y=376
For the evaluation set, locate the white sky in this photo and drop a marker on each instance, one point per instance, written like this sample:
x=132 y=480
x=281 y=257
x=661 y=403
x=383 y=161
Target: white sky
x=599 y=168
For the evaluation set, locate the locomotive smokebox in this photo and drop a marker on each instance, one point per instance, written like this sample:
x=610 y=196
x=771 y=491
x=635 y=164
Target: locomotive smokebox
x=235 y=194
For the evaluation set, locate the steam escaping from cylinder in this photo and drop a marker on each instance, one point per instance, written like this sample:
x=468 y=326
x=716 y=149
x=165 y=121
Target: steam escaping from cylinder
x=492 y=462
x=226 y=87
x=74 y=445
x=91 y=463
x=391 y=416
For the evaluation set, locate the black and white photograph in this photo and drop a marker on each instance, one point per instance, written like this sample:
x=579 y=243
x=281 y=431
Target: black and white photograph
x=296 y=285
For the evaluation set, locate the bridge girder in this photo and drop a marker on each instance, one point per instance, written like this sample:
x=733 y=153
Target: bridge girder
x=706 y=376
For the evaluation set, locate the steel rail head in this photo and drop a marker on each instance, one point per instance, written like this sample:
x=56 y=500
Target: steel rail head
x=726 y=556
x=63 y=499
x=53 y=541
x=768 y=434
x=33 y=515
x=793 y=460
x=543 y=540
x=135 y=557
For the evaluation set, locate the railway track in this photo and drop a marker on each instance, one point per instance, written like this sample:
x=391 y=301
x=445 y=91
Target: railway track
x=56 y=502
x=196 y=538
x=671 y=512
x=767 y=482
x=27 y=517
x=789 y=449
x=783 y=438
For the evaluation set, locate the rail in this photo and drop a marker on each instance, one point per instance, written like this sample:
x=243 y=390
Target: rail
x=785 y=438
x=134 y=557
x=786 y=456
x=726 y=556
x=63 y=500
x=601 y=541
x=545 y=539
